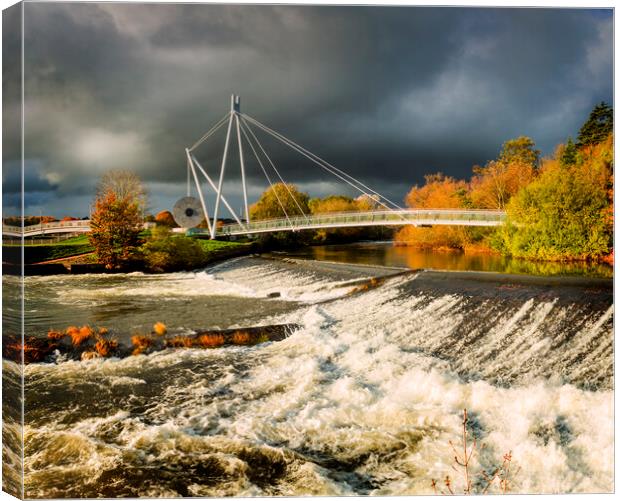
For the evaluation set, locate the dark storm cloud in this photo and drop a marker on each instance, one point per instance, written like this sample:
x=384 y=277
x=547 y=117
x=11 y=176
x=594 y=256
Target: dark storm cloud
x=387 y=94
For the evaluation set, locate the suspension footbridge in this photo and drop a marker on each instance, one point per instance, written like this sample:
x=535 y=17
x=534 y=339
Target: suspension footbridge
x=189 y=212
x=55 y=228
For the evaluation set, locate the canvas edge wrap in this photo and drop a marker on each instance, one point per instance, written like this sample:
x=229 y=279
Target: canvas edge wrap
x=12 y=280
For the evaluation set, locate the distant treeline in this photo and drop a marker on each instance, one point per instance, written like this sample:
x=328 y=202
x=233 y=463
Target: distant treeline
x=282 y=200
x=32 y=220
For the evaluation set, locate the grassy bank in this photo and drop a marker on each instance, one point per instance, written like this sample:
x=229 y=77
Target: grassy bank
x=47 y=252
x=167 y=252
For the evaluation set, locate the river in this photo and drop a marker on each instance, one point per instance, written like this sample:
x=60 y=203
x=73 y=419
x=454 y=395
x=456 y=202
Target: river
x=362 y=399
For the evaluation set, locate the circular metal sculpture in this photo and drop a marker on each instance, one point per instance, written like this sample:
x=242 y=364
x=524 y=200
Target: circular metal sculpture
x=187 y=212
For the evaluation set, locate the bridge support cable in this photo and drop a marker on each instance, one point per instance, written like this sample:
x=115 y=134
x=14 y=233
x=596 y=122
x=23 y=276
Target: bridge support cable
x=325 y=165
x=355 y=183
x=206 y=136
x=212 y=184
x=202 y=200
x=210 y=132
x=304 y=215
x=248 y=127
x=247 y=138
x=221 y=181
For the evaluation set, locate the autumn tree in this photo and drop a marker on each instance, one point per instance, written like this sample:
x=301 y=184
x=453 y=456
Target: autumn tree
x=280 y=200
x=521 y=150
x=125 y=185
x=165 y=218
x=493 y=185
x=332 y=203
x=342 y=203
x=367 y=202
x=439 y=192
x=598 y=126
x=566 y=213
x=116 y=221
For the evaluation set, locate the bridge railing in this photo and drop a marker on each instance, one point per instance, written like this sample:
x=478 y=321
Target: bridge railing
x=45 y=227
x=391 y=217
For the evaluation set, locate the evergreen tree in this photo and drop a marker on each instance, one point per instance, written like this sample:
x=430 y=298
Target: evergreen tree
x=569 y=156
x=597 y=127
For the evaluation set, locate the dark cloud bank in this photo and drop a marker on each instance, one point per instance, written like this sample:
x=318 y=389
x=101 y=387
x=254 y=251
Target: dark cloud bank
x=387 y=94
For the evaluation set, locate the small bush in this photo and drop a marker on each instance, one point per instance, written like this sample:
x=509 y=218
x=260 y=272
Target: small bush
x=179 y=342
x=475 y=480
x=104 y=347
x=52 y=334
x=240 y=337
x=173 y=253
x=141 y=343
x=211 y=340
x=78 y=336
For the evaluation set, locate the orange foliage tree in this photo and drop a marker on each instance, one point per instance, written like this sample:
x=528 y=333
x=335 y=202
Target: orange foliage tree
x=115 y=226
x=493 y=185
x=165 y=218
x=439 y=192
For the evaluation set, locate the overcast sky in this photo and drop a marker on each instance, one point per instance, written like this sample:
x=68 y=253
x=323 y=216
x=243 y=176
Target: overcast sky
x=387 y=94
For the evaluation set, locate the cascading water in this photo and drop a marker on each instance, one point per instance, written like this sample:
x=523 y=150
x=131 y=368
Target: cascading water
x=362 y=399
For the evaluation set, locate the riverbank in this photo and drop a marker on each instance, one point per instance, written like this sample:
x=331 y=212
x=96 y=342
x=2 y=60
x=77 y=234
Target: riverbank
x=381 y=253
x=79 y=258
x=481 y=248
x=52 y=251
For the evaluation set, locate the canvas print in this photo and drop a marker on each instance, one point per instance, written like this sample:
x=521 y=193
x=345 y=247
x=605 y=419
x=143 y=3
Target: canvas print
x=306 y=250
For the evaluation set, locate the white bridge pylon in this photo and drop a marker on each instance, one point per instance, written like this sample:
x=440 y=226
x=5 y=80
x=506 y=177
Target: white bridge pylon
x=244 y=129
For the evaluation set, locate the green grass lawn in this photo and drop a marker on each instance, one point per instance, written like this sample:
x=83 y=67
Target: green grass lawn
x=46 y=252
x=74 y=246
x=217 y=245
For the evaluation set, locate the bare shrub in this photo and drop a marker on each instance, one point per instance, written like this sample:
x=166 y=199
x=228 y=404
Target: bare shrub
x=479 y=480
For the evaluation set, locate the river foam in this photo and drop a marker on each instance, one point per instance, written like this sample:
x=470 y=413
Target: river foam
x=362 y=399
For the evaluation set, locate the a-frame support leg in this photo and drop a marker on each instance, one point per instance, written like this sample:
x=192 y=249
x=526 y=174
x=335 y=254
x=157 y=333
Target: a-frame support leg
x=245 y=191
x=202 y=200
x=221 y=181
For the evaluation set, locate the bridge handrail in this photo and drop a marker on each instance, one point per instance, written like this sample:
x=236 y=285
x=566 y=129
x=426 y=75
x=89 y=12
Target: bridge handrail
x=41 y=227
x=350 y=216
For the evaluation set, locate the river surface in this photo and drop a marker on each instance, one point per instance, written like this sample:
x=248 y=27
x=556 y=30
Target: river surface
x=362 y=399
x=387 y=254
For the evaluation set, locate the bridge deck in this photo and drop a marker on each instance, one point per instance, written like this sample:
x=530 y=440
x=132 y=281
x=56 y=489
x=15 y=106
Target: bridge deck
x=416 y=217
x=81 y=226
